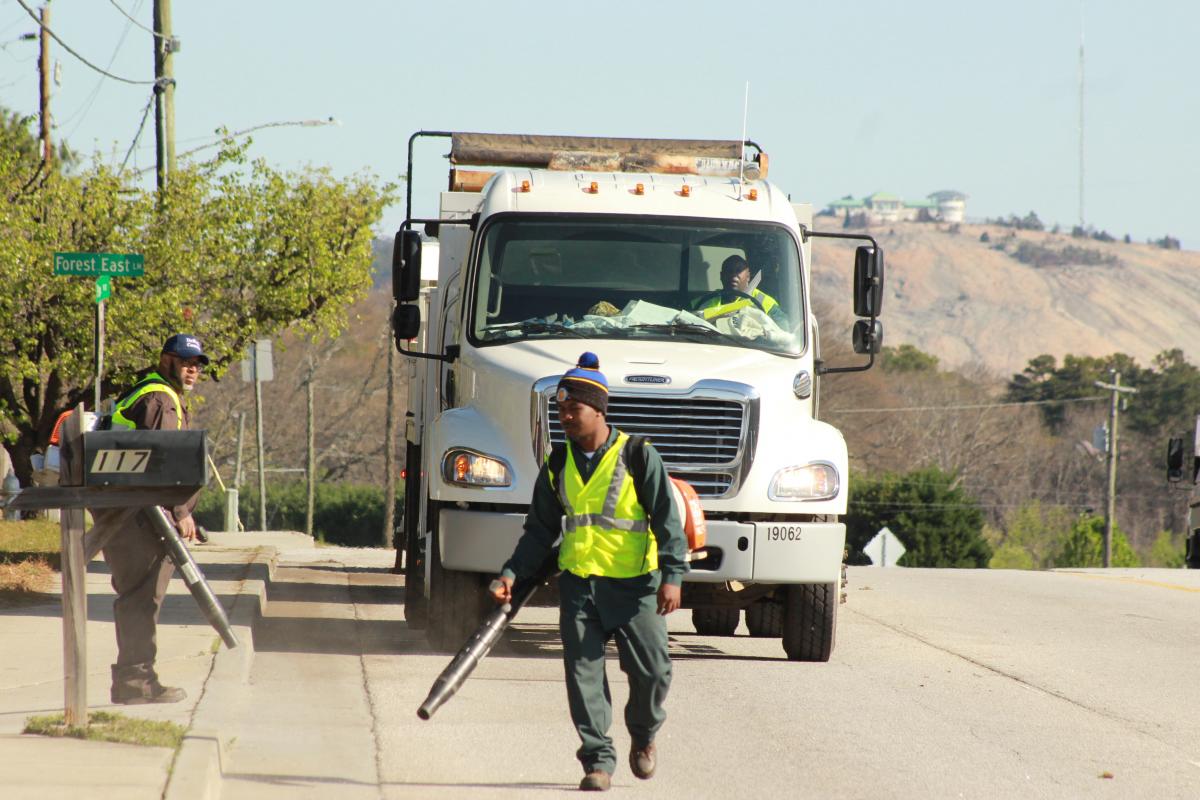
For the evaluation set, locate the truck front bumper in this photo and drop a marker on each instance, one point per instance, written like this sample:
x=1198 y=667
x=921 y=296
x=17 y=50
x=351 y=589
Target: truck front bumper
x=764 y=552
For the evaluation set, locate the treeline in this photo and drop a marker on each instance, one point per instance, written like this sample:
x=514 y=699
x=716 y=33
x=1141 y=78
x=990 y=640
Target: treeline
x=233 y=250
x=970 y=470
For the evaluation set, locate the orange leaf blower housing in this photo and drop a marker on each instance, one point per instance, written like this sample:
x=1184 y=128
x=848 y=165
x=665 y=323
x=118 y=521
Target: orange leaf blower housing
x=687 y=502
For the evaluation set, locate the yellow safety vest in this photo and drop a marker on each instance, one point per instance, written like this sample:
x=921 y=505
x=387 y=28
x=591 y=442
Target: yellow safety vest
x=151 y=383
x=605 y=530
x=721 y=309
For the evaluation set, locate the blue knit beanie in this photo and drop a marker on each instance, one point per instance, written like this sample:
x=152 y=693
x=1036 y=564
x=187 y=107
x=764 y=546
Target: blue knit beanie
x=585 y=383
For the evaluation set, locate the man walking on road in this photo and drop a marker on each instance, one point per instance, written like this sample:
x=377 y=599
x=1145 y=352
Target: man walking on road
x=135 y=555
x=623 y=560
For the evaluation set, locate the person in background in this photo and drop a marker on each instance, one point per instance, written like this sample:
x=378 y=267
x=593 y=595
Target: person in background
x=135 y=555
x=736 y=294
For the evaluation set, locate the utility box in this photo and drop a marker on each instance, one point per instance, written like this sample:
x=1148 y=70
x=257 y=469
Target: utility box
x=145 y=458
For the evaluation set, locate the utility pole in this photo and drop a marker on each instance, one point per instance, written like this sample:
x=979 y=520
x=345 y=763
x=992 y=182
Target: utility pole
x=311 y=461
x=1110 y=507
x=389 y=444
x=237 y=469
x=165 y=46
x=258 y=420
x=44 y=93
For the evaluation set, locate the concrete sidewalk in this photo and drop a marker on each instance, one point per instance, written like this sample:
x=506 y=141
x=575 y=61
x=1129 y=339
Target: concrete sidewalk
x=238 y=567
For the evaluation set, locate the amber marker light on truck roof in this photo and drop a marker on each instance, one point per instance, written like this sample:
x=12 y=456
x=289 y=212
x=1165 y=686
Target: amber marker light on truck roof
x=594 y=188
x=685 y=191
x=639 y=189
x=753 y=194
x=524 y=186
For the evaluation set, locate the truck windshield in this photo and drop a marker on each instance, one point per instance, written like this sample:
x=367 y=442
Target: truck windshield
x=721 y=282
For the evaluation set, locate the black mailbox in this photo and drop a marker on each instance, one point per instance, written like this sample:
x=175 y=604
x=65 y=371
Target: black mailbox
x=145 y=458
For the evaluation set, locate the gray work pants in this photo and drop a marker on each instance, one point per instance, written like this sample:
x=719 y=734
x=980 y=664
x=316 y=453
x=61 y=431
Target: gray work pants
x=591 y=611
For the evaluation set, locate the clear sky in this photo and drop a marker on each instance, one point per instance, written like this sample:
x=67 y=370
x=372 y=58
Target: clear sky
x=846 y=97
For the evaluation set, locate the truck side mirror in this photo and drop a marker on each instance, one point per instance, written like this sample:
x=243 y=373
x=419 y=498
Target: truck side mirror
x=1175 y=460
x=868 y=336
x=406 y=323
x=406 y=266
x=868 y=281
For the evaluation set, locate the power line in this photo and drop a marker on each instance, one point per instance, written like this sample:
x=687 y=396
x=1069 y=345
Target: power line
x=138 y=135
x=965 y=406
x=151 y=31
x=67 y=47
x=87 y=104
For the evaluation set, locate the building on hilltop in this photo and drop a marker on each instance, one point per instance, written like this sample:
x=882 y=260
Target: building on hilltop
x=883 y=207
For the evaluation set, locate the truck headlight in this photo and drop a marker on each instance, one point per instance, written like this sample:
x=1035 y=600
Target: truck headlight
x=816 y=481
x=468 y=468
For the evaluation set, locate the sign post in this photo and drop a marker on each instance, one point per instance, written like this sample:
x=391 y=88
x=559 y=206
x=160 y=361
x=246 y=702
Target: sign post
x=102 y=267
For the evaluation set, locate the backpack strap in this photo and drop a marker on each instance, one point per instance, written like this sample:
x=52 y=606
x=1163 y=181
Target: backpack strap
x=556 y=461
x=635 y=459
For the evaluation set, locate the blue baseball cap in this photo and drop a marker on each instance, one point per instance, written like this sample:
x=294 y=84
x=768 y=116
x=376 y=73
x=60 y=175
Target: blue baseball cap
x=185 y=345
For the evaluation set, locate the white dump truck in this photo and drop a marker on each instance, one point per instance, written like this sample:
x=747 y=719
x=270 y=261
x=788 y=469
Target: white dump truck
x=615 y=246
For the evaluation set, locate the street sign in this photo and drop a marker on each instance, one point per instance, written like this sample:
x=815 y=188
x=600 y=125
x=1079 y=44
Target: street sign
x=884 y=549
x=258 y=359
x=103 y=288
x=124 y=265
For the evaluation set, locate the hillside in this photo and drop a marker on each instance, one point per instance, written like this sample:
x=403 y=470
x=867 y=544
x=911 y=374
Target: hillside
x=973 y=302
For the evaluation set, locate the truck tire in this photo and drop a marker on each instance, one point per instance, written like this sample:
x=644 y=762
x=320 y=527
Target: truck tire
x=716 y=621
x=810 y=621
x=765 y=619
x=458 y=602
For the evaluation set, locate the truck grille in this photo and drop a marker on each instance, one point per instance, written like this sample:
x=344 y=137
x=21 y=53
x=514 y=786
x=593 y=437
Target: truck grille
x=699 y=438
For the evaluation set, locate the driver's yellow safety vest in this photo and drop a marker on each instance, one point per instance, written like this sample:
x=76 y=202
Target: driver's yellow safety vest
x=152 y=383
x=606 y=532
x=721 y=309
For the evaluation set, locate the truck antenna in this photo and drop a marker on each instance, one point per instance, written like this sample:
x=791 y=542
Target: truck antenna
x=742 y=158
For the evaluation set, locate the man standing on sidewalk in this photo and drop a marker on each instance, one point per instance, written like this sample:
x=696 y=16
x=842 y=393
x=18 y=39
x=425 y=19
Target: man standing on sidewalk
x=623 y=560
x=135 y=555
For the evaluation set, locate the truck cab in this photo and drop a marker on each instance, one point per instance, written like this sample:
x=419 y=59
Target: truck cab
x=624 y=248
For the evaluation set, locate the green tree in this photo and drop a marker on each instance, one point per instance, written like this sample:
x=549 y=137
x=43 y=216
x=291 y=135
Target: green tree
x=907 y=358
x=232 y=251
x=1043 y=380
x=1084 y=545
x=1034 y=529
x=938 y=523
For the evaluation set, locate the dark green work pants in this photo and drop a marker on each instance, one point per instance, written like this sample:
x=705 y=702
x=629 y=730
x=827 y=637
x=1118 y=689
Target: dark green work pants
x=593 y=610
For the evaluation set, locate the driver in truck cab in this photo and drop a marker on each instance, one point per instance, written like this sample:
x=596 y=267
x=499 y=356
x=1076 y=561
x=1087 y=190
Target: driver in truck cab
x=737 y=294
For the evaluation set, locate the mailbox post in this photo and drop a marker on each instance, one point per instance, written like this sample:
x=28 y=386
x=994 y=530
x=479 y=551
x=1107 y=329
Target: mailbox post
x=139 y=471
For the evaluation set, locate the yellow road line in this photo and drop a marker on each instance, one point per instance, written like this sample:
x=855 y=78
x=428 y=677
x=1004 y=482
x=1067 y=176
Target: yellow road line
x=1139 y=581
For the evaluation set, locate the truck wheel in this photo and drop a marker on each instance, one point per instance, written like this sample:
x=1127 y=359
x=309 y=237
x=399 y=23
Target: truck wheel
x=765 y=619
x=716 y=621
x=458 y=602
x=810 y=621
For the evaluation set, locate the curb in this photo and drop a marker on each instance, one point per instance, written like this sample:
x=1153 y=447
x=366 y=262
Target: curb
x=198 y=769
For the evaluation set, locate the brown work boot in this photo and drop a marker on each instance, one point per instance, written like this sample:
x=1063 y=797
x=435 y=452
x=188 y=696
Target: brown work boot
x=596 y=781
x=642 y=760
x=138 y=684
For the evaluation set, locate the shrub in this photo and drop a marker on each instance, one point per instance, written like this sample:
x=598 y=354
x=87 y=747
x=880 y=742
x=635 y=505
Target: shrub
x=343 y=513
x=1084 y=546
x=938 y=523
x=1166 y=551
x=1011 y=555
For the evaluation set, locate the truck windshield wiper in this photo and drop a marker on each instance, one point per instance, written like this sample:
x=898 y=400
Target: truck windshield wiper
x=534 y=326
x=685 y=327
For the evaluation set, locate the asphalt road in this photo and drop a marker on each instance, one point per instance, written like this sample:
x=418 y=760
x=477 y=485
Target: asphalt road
x=942 y=684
